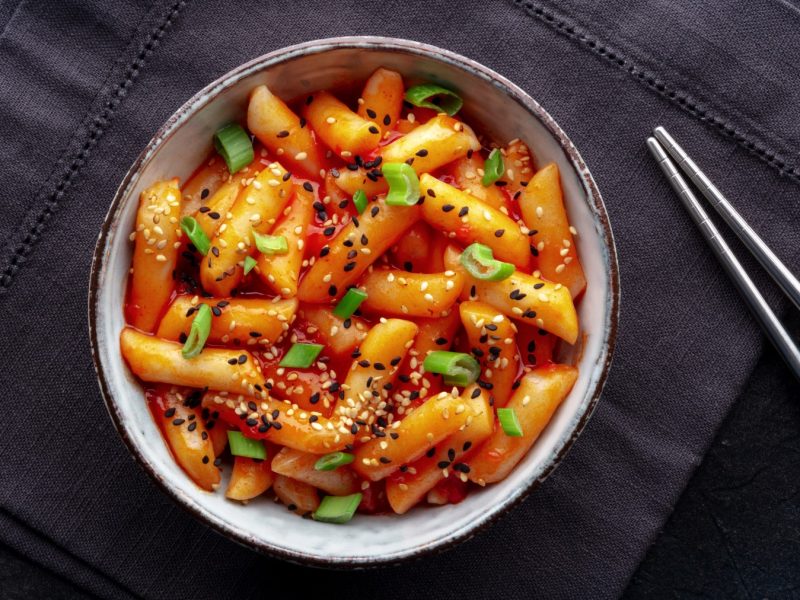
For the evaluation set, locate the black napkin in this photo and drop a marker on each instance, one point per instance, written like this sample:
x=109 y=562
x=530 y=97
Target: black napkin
x=86 y=84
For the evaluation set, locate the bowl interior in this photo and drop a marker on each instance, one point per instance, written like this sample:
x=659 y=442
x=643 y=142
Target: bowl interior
x=495 y=107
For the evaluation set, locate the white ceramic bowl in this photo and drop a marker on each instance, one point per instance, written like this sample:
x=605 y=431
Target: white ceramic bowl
x=494 y=105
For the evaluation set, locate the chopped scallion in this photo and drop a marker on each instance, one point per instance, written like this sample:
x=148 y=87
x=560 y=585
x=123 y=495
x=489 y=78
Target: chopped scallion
x=198 y=334
x=249 y=263
x=334 y=460
x=360 y=201
x=423 y=95
x=196 y=235
x=479 y=262
x=337 y=509
x=271 y=244
x=458 y=368
x=493 y=168
x=301 y=356
x=403 y=184
x=349 y=303
x=509 y=422
x=234 y=145
x=241 y=445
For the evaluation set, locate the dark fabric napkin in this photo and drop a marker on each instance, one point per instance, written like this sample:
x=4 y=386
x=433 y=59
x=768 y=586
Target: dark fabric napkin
x=84 y=85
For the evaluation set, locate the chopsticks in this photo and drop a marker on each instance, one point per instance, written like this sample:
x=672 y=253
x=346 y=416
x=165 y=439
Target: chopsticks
x=662 y=146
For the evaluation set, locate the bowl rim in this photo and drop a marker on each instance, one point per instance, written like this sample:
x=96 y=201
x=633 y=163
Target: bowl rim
x=199 y=100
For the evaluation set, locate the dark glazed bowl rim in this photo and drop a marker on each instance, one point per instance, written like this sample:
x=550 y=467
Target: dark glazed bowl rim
x=201 y=98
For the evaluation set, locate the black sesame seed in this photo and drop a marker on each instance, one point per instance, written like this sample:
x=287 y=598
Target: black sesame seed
x=374 y=129
x=374 y=211
x=314 y=398
x=324 y=251
x=466 y=446
x=350 y=266
x=451 y=454
x=283 y=134
x=308 y=187
x=443 y=464
x=385 y=460
x=363 y=363
x=169 y=412
x=499 y=233
x=205 y=460
x=302 y=122
x=177 y=422
x=255 y=334
x=214 y=215
x=329 y=231
x=534 y=250
x=441 y=341
x=332 y=290
x=447 y=208
x=430 y=193
x=192 y=426
x=463 y=212
x=371 y=113
x=232 y=361
x=217 y=311
x=387 y=120
x=538 y=286
x=204 y=194
x=204 y=209
x=286 y=176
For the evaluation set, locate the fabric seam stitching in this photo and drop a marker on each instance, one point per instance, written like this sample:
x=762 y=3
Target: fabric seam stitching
x=97 y=127
x=650 y=80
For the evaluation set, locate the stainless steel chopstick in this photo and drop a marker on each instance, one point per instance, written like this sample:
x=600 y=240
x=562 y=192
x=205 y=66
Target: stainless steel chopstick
x=763 y=313
x=773 y=265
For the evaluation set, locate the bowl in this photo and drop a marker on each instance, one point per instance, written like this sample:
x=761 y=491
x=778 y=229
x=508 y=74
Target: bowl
x=185 y=139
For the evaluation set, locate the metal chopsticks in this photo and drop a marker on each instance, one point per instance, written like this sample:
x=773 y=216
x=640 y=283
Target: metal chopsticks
x=759 y=307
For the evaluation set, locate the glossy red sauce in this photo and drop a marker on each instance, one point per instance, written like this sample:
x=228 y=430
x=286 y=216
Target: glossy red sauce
x=318 y=234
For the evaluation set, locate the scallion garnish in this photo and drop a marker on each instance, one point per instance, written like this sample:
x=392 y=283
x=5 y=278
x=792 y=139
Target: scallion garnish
x=196 y=235
x=249 y=263
x=403 y=184
x=458 y=368
x=422 y=95
x=493 y=168
x=334 y=460
x=337 y=509
x=349 y=303
x=234 y=145
x=271 y=244
x=301 y=356
x=241 y=445
x=509 y=422
x=198 y=334
x=360 y=201
x=479 y=262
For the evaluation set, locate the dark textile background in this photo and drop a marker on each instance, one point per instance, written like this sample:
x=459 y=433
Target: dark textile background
x=85 y=85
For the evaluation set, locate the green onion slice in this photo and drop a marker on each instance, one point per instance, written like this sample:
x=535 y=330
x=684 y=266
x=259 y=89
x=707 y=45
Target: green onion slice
x=234 y=145
x=241 y=445
x=360 y=201
x=301 y=356
x=493 y=168
x=509 y=422
x=196 y=235
x=479 y=262
x=337 y=509
x=403 y=184
x=458 y=368
x=271 y=244
x=349 y=303
x=334 y=460
x=198 y=334
x=249 y=263
x=422 y=96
